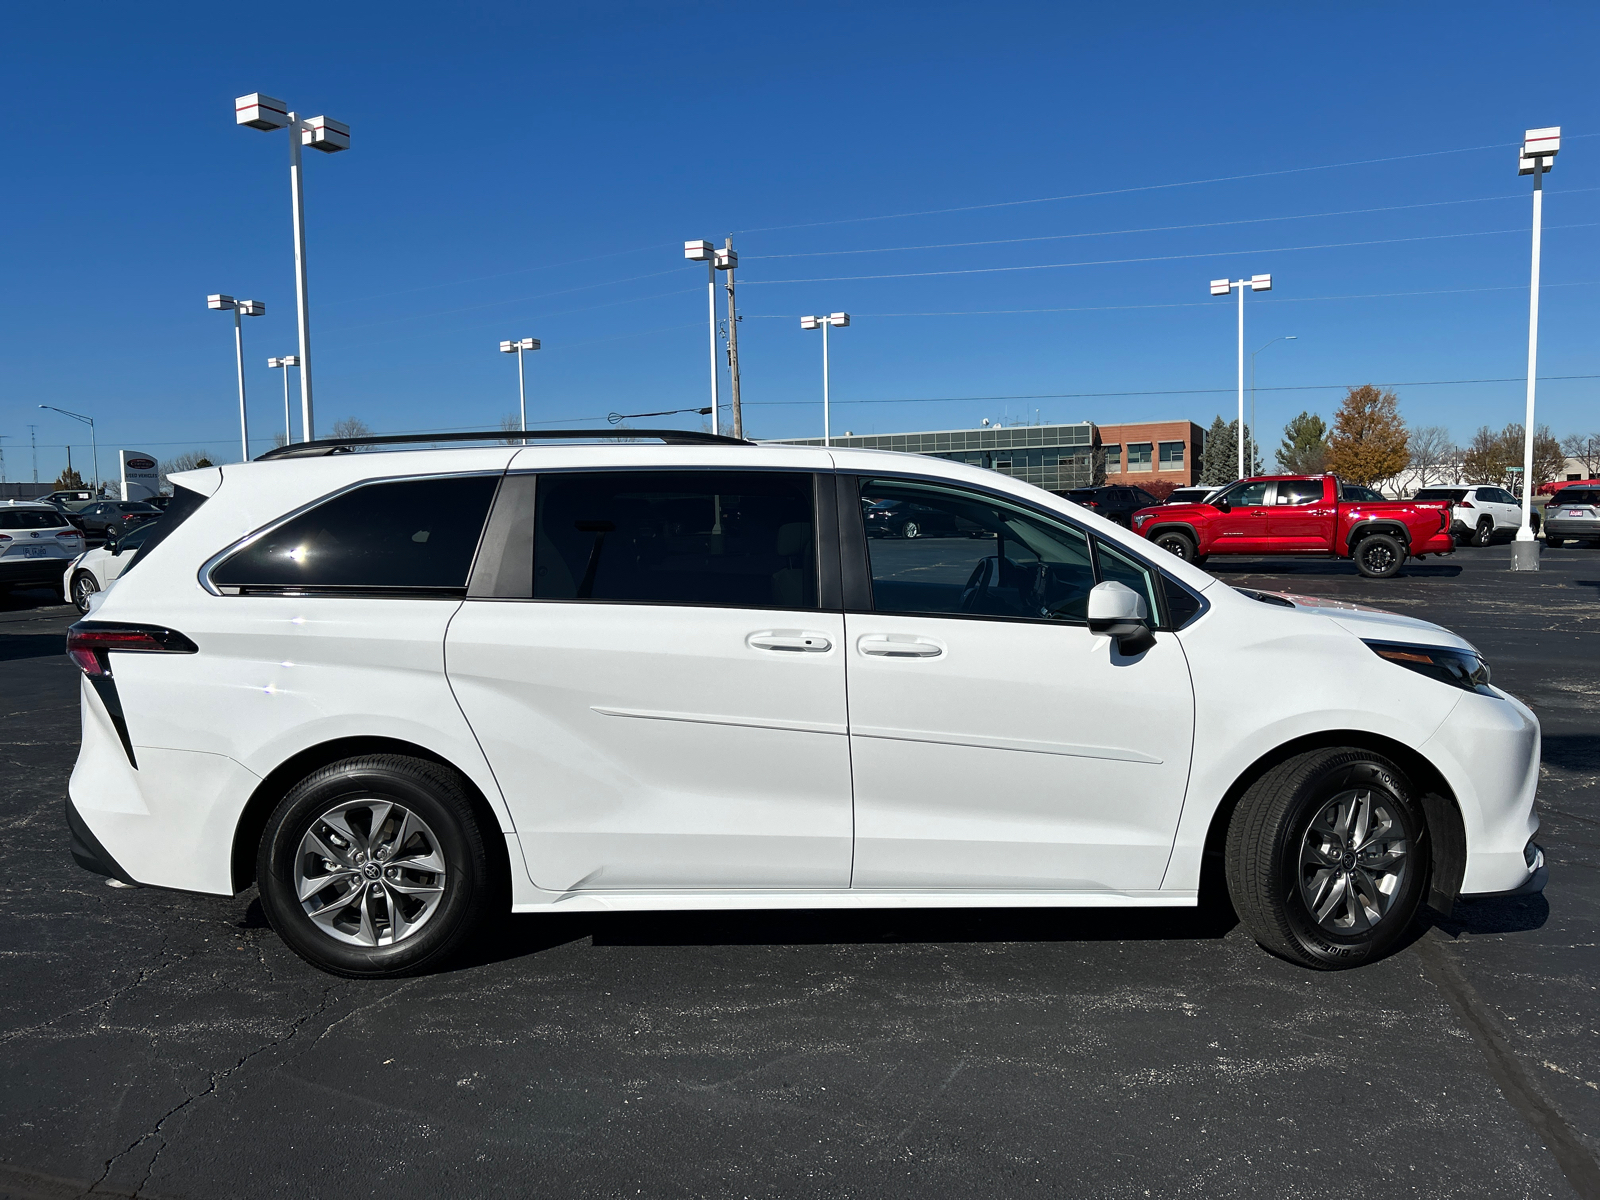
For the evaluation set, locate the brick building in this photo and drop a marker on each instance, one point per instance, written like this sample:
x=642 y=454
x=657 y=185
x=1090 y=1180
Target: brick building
x=1155 y=451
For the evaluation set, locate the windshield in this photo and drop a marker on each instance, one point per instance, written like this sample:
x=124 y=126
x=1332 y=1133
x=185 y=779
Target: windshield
x=1453 y=495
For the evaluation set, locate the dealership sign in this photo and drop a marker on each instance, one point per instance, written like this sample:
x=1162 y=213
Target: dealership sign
x=141 y=475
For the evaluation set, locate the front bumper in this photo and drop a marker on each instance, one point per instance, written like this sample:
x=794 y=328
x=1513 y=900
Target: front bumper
x=1535 y=882
x=87 y=851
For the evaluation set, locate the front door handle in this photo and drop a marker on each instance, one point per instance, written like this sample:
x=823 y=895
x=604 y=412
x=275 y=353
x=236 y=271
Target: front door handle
x=889 y=646
x=794 y=642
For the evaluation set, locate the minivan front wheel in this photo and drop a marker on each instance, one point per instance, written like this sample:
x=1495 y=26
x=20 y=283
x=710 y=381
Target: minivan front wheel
x=375 y=867
x=1327 y=859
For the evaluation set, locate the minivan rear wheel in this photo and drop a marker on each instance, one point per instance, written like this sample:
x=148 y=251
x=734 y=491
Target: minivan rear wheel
x=1327 y=858
x=374 y=867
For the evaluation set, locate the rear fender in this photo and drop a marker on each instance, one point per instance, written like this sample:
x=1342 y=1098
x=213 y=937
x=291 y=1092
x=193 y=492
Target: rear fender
x=1367 y=528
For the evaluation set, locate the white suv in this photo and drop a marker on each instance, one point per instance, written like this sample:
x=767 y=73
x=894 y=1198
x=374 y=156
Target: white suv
x=399 y=690
x=1479 y=512
x=36 y=542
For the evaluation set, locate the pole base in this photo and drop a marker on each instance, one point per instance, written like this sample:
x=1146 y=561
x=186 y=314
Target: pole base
x=1525 y=555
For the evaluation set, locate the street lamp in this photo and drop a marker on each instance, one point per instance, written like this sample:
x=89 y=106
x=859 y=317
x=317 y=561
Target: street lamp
x=837 y=319
x=240 y=308
x=1288 y=337
x=1221 y=287
x=1538 y=153
x=287 y=361
x=89 y=421
x=320 y=133
x=517 y=347
x=726 y=259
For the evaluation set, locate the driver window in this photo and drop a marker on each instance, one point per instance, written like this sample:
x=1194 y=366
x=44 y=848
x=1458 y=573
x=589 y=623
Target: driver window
x=974 y=555
x=1243 y=495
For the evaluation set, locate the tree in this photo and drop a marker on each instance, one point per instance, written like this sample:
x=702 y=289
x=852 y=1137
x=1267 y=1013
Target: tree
x=351 y=427
x=1219 y=460
x=189 y=460
x=1369 y=440
x=68 y=479
x=1497 y=457
x=1433 y=452
x=1488 y=458
x=1304 y=449
x=1585 y=448
x=511 y=423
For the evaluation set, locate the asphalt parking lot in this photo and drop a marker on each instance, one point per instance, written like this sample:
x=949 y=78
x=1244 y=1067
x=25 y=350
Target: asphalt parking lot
x=166 y=1045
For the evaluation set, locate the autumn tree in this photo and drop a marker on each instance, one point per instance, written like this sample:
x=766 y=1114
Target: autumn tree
x=1488 y=458
x=1369 y=440
x=1585 y=449
x=1497 y=457
x=1433 y=453
x=1304 y=449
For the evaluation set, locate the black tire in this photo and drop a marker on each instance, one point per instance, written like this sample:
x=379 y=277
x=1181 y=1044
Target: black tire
x=1484 y=534
x=910 y=530
x=432 y=793
x=1278 y=868
x=1176 y=542
x=83 y=586
x=1379 y=555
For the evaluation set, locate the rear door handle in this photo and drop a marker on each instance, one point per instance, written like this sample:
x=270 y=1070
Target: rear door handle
x=790 y=641
x=890 y=646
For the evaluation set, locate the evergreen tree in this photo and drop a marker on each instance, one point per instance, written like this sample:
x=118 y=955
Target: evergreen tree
x=1219 y=462
x=1304 y=449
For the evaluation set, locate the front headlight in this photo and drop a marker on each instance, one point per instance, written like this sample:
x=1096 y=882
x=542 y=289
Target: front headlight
x=1141 y=518
x=1458 y=668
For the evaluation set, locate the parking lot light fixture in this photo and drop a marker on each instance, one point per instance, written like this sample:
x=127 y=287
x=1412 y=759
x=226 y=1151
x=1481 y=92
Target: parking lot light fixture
x=287 y=361
x=239 y=308
x=838 y=320
x=1221 y=287
x=263 y=112
x=517 y=347
x=94 y=445
x=1539 y=148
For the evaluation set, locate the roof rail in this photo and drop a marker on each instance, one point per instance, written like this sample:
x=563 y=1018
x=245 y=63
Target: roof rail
x=678 y=437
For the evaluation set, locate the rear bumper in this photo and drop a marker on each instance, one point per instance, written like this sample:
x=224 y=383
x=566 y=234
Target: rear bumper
x=32 y=570
x=1562 y=526
x=1440 y=543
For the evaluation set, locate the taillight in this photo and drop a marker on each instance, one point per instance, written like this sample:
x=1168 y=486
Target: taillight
x=1463 y=503
x=89 y=643
x=68 y=533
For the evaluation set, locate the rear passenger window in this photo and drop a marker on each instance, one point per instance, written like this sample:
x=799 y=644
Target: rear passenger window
x=29 y=518
x=736 y=539
x=411 y=536
x=1299 y=491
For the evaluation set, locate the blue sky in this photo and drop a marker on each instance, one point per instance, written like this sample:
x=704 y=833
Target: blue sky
x=532 y=170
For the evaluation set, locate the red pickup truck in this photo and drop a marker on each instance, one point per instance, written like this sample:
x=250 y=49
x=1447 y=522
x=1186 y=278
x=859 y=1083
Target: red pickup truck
x=1301 y=514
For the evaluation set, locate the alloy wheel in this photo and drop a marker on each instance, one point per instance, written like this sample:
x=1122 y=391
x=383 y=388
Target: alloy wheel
x=82 y=588
x=1378 y=557
x=1353 y=861
x=911 y=529
x=369 y=872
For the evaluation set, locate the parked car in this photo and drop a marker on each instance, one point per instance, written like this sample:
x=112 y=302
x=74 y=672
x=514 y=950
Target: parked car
x=1573 y=513
x=1479 y=511
x=907 y=519
x=1300 y=514
x=35 y=541
x=70 y=499
x=397 y=690
x=1113 y=503
x=100 y=518
x=1556 y=485
x=97 y=569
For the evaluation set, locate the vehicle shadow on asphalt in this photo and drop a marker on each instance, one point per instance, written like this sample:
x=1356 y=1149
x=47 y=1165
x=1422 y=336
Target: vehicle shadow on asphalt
x=16 y=646
x=1322 y=568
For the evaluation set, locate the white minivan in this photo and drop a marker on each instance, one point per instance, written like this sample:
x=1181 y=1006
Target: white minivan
x=399 y=690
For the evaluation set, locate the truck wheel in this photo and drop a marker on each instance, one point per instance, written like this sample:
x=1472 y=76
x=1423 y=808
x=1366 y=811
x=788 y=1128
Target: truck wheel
x=1484 y=533
x=375 y=867
x=1326 y=858
x=1379 y=555
x=1177 y=543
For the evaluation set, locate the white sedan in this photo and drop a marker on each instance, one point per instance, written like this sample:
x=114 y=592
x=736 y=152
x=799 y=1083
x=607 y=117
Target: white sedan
x=96 y=570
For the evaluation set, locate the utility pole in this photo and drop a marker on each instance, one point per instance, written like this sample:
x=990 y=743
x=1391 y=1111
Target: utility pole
x=33 y=440
x=3 y=437
x=732 y=260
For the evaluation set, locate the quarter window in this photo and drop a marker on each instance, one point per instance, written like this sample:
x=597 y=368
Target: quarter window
x=736 y=539
x=406 y=536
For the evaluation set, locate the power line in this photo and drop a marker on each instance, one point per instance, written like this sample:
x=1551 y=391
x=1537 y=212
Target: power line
x=1056 y=237
x=1305 y=387
x=1149 y=187
x=1107 y=262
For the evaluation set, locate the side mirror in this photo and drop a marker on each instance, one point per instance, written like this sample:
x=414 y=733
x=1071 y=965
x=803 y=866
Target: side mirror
x=1221 y=505
x=1118 y=611
x=113 y=548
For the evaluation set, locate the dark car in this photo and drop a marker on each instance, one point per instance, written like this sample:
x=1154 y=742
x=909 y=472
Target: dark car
x=901 y=518
x=100 y=518
x=1114 y=503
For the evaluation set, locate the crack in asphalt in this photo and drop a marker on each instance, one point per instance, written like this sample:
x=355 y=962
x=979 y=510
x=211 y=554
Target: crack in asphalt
x=216 y=1078
x=105 y=1002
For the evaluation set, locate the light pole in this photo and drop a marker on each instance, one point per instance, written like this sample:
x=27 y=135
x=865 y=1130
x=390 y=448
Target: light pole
x=1221 y=287
x=89 y=421
x=517 y=347
x=287 y=361
x=1538 y=153
x=240 y=308
x=719 y=260
x=1254 y=437
x=837 y=319
x=320 y=133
